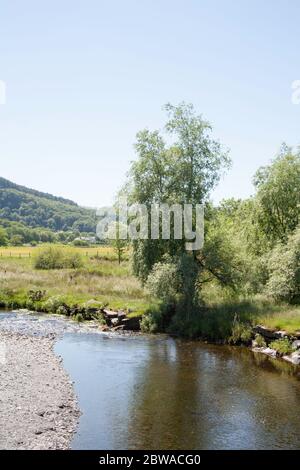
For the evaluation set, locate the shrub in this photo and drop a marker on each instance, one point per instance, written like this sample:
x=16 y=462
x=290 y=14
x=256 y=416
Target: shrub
x=79 y=242
x=150 y=323
x=53 y=304
x=158 y=319
x=73 y=261
x=53 y=258
x=62 y=310
x=163 y=281
x=260 y=341
x=241 y=332
x=36 y=295
x=282 y=346
x=79 y=317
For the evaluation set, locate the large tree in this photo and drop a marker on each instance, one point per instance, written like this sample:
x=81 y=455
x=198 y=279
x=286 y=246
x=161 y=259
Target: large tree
x=180 y=165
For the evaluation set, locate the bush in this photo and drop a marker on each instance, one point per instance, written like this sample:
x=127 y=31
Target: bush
x=260 y=341
x=284 y=270
x=151 y=323
x=62 y=310
x=79 y=317
x=282 y=346
x=53 y=258
x=53 y=304
x=79 y=242
x=73 y=261
x=36 y=295
x=158 y=319
x=163 y=281
x=241 y=332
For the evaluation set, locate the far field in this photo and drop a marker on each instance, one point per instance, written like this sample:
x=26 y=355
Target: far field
x=101 y=278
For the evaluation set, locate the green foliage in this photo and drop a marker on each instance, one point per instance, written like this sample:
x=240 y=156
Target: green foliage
x=17 y=240
x=157 y=319
x=36 y=295
x=278 y=195
x=284 y=270
x=260 y=341
x=151 y=323
x=3 y=237
x=54 y=303
x=116 y=241
x=54 y=258
x=79 y=317
x=36 y=209
x=62 y=310
x=241 y=332
x=163 y=281
x=18 y=233
x=183 y=171
x=79 y=242
x=282 y=346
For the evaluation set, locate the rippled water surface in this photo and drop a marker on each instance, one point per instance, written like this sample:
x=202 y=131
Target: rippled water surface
x=160 y=393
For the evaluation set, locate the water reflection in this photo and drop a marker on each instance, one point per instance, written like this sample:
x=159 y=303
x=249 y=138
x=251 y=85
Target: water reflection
x=153 y=393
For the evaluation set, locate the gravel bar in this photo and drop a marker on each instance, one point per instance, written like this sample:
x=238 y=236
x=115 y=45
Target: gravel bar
x=38 y=406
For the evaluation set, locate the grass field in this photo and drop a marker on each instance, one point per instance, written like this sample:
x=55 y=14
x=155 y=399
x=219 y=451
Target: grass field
x=103 y=279
x=104 y=252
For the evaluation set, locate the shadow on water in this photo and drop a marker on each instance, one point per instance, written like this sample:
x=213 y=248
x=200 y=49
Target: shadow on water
x=161 y=393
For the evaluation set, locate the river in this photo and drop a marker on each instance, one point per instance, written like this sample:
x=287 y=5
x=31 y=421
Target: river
x=143 y=392
x=161 y=393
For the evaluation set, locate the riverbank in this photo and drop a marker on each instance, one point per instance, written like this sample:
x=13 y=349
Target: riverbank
x=106 y=292
x=38 y=406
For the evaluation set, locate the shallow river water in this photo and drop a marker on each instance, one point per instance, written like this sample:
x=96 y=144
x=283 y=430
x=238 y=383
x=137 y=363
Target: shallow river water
x=145 y=392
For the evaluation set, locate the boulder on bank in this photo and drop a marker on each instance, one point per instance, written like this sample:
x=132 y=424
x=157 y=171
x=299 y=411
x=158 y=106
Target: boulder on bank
x=294 y=358
x=296 y=344
x=118 y=320
x=268 y=333
x=268 y=351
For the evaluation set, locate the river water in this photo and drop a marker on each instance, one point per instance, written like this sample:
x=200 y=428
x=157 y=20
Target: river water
x=144 y=392
x=161 y=393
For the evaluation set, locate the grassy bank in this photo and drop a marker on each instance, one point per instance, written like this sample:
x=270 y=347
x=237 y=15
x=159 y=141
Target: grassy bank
x=224 y=317
x=227 y=317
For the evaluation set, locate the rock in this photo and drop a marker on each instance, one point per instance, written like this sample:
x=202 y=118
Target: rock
x=270 y=352
x=268 y=333
x=132 y=324
x=296 y=344
x=121 y=315
x=119 y=328
x=110 y=314
x=294 y=358
x=115 y=322
x=281 y=334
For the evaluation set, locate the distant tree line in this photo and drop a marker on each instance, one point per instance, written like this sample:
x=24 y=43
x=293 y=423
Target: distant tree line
x=35 y=209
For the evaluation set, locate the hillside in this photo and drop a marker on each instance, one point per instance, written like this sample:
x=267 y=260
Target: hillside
x=37 y=209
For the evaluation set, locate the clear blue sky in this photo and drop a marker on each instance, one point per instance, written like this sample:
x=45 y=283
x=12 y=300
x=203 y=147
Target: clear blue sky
x=84 y=76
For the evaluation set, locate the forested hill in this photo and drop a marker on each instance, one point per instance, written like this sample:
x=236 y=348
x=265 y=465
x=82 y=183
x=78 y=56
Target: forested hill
x=36 y=209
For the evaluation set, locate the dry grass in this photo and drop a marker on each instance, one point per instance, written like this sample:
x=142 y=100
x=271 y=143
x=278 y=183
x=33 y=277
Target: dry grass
x=100 y=279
